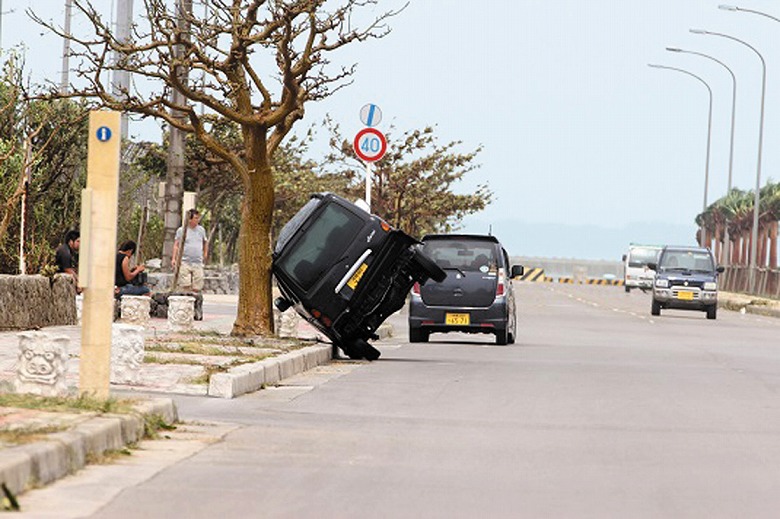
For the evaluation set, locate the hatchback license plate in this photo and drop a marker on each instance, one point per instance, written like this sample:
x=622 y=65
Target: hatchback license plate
x=355 y=279
x=685 y=295
x=458 y=319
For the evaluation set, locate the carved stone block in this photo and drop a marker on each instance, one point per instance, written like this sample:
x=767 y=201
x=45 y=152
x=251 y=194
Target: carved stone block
x=127 y=353
x=42 y=364
x=286 y=323
x=181 y=313
x=135 y=310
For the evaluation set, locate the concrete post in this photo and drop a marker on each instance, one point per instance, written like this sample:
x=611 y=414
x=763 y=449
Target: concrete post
x=181 y=313
x=98 y=249
x=135 y=310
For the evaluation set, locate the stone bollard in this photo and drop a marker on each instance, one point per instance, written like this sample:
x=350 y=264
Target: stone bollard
x=181 y=313
x=287 y=323
x=79 y=306
x=135 y=310
x=127 y=353
x=42 y=364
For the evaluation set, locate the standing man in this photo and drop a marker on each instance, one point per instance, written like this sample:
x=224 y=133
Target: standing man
x=63 y=256
x=194 y=252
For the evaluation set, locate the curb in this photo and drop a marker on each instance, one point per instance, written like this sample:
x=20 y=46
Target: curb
x=251 y=377
x=63 y=453
x=766 y=310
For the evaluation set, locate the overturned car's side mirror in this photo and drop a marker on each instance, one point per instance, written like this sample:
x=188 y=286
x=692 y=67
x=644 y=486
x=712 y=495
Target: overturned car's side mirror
x=517 y=271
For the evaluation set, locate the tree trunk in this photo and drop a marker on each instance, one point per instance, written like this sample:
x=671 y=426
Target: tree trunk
x=255 y=307
x=718 y=233
x=773 y=248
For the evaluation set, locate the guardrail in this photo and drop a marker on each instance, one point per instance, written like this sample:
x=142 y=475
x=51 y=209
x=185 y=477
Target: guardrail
x=736 y=278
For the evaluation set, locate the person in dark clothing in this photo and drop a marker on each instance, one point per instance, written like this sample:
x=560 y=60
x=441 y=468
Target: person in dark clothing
x=63 y=256
x=124 y=276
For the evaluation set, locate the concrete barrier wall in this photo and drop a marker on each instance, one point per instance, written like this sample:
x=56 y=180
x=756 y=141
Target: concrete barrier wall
x=28 y=302
x=214 y=282
x=736 y=278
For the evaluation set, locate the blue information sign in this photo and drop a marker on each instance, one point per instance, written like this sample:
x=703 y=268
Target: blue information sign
x=103 y=134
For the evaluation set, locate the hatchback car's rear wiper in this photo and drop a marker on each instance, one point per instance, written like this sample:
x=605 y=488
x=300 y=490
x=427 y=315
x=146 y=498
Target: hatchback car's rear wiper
x=456 y=269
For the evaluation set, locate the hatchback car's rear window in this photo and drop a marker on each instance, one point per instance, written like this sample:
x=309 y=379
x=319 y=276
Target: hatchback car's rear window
x=463 y=254
x=686 y=260
x=321 y=246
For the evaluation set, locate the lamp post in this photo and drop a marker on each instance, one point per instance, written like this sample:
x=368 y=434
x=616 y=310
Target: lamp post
x=737 y=8
x=757 y=200
x=709 y=136
x=726 y=238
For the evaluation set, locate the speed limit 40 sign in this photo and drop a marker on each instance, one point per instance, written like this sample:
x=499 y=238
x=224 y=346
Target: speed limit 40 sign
x=370 y=144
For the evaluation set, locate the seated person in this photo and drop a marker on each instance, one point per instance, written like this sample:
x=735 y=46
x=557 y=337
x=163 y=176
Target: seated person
x=124 y=276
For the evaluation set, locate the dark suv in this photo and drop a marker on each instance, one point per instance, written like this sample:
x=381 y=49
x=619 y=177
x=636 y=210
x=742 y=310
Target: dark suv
x=687 y=279
x=346 y=271
x=476 y=296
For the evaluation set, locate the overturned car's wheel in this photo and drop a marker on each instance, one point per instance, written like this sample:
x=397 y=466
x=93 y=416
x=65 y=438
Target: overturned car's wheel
x=430 y=267
x=360 y=349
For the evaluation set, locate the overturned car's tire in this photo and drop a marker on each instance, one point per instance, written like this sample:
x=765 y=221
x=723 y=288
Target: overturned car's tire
x=360 y=349
x=434 y=271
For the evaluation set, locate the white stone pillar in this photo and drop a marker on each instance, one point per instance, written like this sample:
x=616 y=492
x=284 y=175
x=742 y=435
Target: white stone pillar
x=288 y=324
x=181 y=313
x=135 y=310
x=42 y=364
x=127 y=353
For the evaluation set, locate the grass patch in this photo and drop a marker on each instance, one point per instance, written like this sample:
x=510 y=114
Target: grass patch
x=154 y=359
x=82 y=403
x=203 y=379
x=195 y=348
x=155 y=423
x=106 y=457
x=28 y=435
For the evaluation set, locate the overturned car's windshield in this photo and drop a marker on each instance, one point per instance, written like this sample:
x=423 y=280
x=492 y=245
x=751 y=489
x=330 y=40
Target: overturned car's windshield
x=322 y=244
x=463 y=254
x=686 y=260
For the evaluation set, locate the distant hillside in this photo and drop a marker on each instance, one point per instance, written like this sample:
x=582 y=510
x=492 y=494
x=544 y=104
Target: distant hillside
x=588 y=242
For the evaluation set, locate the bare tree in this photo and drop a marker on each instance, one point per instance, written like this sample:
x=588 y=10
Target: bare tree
x=234 y=49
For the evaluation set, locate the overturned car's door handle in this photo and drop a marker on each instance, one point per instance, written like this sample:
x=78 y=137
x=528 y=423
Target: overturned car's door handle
x=352 y=270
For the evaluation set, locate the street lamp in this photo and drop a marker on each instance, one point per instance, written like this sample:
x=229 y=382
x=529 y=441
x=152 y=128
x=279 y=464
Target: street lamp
x=709 y=135
x=727 y=240
x=757 y=200
x=737 y=8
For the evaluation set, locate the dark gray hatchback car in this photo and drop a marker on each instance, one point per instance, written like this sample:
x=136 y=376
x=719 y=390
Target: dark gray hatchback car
x=475 y=297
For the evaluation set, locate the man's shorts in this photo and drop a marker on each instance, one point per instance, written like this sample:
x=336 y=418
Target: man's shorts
x=191 y=277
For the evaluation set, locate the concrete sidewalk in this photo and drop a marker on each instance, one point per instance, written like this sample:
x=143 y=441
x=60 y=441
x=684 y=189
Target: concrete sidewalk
x=749 y=304
x=38 y=447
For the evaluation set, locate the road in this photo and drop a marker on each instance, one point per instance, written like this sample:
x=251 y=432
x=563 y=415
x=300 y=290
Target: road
x=599 y=410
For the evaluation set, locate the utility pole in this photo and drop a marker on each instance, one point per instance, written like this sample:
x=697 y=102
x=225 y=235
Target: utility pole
x=64 y=83
x=120 y=83
x=174 y=179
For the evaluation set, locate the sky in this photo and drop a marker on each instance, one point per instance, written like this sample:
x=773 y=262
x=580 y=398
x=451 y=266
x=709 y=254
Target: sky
x=586 y=148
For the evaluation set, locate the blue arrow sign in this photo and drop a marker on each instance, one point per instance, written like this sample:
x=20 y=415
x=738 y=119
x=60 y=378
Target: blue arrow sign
x=103 y=134
x=370 y=115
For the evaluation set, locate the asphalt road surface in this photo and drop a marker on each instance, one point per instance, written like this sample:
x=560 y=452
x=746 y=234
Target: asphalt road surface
x=599 y=410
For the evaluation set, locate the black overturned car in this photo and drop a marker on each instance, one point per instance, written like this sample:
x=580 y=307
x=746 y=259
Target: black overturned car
x=686 y=279
x=345 y=271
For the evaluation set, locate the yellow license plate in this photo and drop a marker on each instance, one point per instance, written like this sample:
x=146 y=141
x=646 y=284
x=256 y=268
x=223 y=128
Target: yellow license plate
x=355 y=279
x=685 y=295
x=457 y=319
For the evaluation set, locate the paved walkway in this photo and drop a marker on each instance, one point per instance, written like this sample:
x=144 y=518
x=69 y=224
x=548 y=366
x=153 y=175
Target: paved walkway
x=219 y=313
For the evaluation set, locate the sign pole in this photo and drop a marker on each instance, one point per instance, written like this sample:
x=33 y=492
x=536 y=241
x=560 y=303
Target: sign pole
x=98 y=251
x=368 y=185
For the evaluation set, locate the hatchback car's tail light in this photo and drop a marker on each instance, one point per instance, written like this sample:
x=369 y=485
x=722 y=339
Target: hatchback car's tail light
x=416 y=289
x=500 y=284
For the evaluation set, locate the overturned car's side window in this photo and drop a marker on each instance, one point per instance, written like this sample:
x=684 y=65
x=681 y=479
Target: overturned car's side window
x=322 y=245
